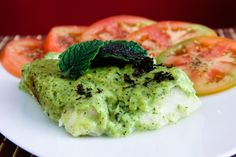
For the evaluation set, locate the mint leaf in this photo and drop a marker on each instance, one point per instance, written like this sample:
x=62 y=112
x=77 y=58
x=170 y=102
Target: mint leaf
x=76 y=60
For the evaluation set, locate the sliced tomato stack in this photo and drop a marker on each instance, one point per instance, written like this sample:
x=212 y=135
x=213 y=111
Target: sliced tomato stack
x=210 y=62
x=19 y=52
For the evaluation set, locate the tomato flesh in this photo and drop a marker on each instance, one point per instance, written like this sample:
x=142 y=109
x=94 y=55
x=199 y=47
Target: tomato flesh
x=157 y=37
x=61 y=37
x=151 y=39
x=19 y=52
x=115 y=27
x=179 y=31
x=210 y=62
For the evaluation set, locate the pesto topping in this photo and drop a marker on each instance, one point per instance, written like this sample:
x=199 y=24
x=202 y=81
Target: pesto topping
x=142 y=65
x=99 y=90
x=109 y=100
x=128 y=79
x=82 y=91
x=159 y=77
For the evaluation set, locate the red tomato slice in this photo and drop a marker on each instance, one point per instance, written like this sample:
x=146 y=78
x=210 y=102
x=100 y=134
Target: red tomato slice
x=115 y=27
x=19 y=52
x=210 y=62
x=179 y=31
x=61 y=37
x=159 y=36
x=151 y=39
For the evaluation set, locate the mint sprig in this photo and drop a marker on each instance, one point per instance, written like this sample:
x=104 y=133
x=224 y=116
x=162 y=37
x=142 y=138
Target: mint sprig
x=77 y=59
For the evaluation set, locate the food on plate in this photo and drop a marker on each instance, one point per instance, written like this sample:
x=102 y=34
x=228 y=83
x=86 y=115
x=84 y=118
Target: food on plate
x=89 y=95
x=154 y=37
x=97 y=80
x=19 y=52
x=210 y=62
x=157 y=37
x=61 y=37
x=115 y=27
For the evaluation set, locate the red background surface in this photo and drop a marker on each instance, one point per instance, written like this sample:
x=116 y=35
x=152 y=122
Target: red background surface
x=37 y=17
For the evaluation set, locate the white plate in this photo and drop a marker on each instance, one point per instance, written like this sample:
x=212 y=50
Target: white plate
x=210 y=131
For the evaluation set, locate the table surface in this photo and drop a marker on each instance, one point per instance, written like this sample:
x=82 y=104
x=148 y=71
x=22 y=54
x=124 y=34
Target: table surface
x=9 y=149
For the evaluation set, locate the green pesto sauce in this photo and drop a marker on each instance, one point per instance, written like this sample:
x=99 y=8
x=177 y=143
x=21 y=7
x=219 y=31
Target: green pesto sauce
x=112 y=107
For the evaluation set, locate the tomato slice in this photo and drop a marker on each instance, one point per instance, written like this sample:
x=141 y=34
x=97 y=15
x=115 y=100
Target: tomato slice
x=159 y=36
x=210 y=62
x=151 y=39
x=61 y=37
x=19 y=52
x=179 y=31
x=115 y=27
